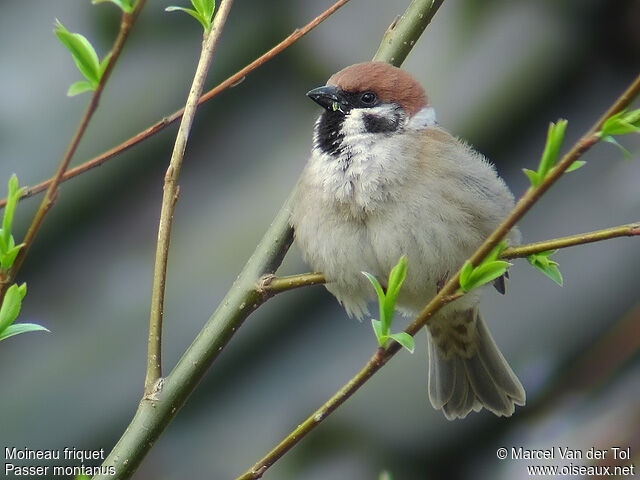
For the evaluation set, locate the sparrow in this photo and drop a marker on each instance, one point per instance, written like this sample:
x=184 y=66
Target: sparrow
x=385 y=180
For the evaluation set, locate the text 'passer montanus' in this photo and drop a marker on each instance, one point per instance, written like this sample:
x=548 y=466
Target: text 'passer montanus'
x=384 y=180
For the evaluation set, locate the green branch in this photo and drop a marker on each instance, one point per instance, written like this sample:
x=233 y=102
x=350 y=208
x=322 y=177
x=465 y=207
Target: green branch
x=171 y=192
x=405 y=30
x=272 y=285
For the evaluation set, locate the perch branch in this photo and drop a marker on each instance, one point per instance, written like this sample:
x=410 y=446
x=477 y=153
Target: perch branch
x=272 y=285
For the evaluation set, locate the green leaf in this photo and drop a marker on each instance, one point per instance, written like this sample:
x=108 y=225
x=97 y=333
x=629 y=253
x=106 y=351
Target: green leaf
x=11 y=305
x=379 y=292
x=191 y=12
x=622 y=123
x=609 y=139
x=542 y=262
x=533 y=177
x=497 y=250
x=198 y=5
x=380 y=334
x=79 y=87
x=124 y=5
x=13 y=195
x=83 y=53
x=465 y=274
x=385 y=475
x=485 y=273
x=396 y=278
x=18 y=328
x=404 y=339
x=575 y=166
x=9 y=256
x=555 y=136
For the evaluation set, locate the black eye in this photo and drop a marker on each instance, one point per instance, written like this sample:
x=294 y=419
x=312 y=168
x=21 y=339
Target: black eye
x=368 y=98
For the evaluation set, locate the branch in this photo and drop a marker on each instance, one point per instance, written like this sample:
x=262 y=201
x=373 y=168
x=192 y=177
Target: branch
x=234 y=79
x=272 y=285
x=629 y=230
x=170 y=194
x=447 y=294
x=128 y=19
x=401 y=35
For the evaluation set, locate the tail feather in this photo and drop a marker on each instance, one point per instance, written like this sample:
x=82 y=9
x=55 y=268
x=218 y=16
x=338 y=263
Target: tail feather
x=466 y=369
x=442 y=378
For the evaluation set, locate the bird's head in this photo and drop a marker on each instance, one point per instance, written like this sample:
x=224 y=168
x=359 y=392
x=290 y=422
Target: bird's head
x=366 y=98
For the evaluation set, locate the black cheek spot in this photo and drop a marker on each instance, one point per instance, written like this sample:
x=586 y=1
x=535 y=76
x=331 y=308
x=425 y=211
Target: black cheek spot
x=376 y=124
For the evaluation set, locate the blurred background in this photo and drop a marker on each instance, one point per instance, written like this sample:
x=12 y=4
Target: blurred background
x=497 y=72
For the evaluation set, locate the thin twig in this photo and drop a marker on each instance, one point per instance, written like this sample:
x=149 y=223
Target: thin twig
x=520 y=251
x=273 y=285
x=126 y=23
x=170 y=197
x=170 y=119
x=448 y=293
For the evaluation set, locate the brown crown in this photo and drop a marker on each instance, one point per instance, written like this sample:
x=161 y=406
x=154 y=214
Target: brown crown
x=389 y=83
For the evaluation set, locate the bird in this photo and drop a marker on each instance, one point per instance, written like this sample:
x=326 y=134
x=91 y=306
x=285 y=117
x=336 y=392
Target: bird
x=384 y=180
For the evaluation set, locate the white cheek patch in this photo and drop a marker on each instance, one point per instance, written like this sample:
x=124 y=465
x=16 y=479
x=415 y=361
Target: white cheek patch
x=423 y=119
x=353 y=123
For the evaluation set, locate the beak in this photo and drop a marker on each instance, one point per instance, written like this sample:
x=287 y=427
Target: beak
x=329 y=97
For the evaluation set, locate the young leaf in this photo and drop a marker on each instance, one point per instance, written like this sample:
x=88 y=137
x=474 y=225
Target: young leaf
x=124 y=5
x=404 y=339
x=208 y=9
x=497 y=250
x=18 y=328
x=13 y=195
x=609 y=139
x=533 y=177
x=465 y=274
x=79 y=87
x=379 y=293
x=555 y=136
x=575 y=166
x=485 y=273
x=542 y=262
x=380 y=335
x=622 y=123
x=83 y=53
x=8 y=256
x=396 y=278
x=11 y=305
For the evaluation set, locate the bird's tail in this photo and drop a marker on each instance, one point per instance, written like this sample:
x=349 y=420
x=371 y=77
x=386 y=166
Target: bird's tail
x=466 y=369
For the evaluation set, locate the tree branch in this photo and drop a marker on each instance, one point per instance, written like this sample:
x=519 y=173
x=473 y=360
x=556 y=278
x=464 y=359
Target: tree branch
x=272 y=285
x=126 y=23
x=170 y=194
x=520 y=251
x=401 y=35
x=296 y=35
x=447 y=294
